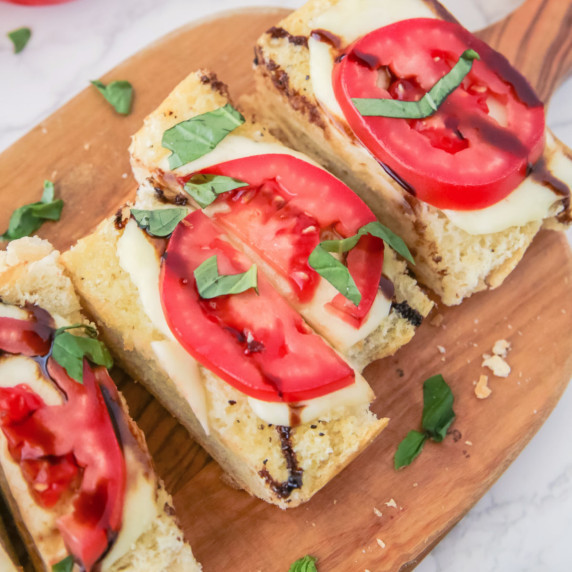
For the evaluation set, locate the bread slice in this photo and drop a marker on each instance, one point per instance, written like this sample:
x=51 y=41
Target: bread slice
x=201 y=92
x=150 y=539
x=281 y=465
x=452 y=262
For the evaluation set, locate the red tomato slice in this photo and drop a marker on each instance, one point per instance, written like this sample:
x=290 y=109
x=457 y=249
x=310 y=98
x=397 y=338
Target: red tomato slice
x=287 y=209
x=475 y=149
x=256 y=343
x=67 y=449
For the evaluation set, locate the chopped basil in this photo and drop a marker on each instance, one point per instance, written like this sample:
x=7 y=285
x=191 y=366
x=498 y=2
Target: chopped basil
x=159 y=222
x=65 y=565
x=306 y=564
x=336 y=273
x=27 y=219
x=332 y=270
x=205 y=188
x=20 y=38
x=438 y=415
x=69 y=350
x=408 y=449
x=437 y=408
x=428 y=104
x=195 y=137
x=211 y=284
x=118 y=93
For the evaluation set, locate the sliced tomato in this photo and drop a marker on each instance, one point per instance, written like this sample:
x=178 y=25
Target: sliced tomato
x=67 y=450
x=288 y=207
x=255 y=342
x=475 y=149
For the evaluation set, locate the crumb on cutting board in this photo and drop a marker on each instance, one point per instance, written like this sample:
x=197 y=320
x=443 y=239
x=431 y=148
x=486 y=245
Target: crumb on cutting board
x=482 y=390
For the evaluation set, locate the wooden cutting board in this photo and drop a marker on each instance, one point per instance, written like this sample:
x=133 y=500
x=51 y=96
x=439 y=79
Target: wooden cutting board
x=351 y=524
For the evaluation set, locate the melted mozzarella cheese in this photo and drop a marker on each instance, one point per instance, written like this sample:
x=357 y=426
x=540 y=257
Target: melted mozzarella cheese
x=14 y=312
x=351 y=19
x=235 y=147
x=140 y=260
x=277 y=413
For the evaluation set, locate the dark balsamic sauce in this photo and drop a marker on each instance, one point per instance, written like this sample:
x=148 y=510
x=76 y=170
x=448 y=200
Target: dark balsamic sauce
x=404 y=184
x=369 y=61
x=284 y=489
x=387 y=287
x=542 y=175
x=295 y=410
x=278 y=33
x=327 y=37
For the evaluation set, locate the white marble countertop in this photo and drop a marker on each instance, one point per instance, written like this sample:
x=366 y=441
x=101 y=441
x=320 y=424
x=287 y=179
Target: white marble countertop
x=524 y=522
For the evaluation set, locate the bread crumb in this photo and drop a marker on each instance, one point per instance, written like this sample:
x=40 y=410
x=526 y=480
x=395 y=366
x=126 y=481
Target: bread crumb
x=391 y=503
x=497 y=365
x=381 y=543
x=415 y=484
x=441 y=349
x=437 y=320
x=468 y=443
x=44 y=130
x=482 y=390
x=377 y=512
x=501 y=348
x=124 y=176
x=87 y=146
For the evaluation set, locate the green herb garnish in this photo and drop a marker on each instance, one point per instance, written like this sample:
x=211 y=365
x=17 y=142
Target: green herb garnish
x=159 y=222
x=118 y=93
x=428 y=104
x=69 y=350
x=211 y=284
x=65 y=565
x=20 y=38
x=306 y=564
x=206 y=188
x=336 y=273
x=195 y=137
x=27 y=219
x=437 y=417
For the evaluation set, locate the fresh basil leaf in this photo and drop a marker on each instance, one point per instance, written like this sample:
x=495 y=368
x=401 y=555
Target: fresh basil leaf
x=159 y=222
x=69 y=351
x=20 y=38
x=337 y=274
x=306 y=564
x=65 y=565
x=27 y=219
x=118 y=93
x=205 y=188
x=195 y=137
x=438 y=411
x=211 y=284
x=428 y=104
x=409 y=449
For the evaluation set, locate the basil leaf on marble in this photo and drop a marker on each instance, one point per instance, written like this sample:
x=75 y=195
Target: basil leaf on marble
x=69 y=350
x=27 y=219
x=409 y=449
x=205 y=188
x=195 y=137
x=159 y=222
x=305 y=564
x=20 y=38
x=336 y=273
x=428 y=104
x=438 y=411
x=65 y=565
x=118 y=93
x=211 y=284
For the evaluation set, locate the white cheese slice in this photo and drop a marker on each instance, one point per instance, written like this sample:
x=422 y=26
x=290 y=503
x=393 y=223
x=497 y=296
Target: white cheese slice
x=185 y=373
x=14 y=312
x=356 y=394
x=351 y=19
x=140 y=260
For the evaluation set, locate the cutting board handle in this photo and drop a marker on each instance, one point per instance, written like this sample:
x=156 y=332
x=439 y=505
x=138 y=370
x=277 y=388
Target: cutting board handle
x=537 y=40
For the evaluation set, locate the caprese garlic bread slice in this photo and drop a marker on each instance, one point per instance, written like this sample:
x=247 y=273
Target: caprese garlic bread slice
x=181 y=306
x=74 y=467
x=440 y=136
x=317 y=242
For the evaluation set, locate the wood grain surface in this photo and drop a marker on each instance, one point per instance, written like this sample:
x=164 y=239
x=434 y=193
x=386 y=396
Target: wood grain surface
x=83 y=148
